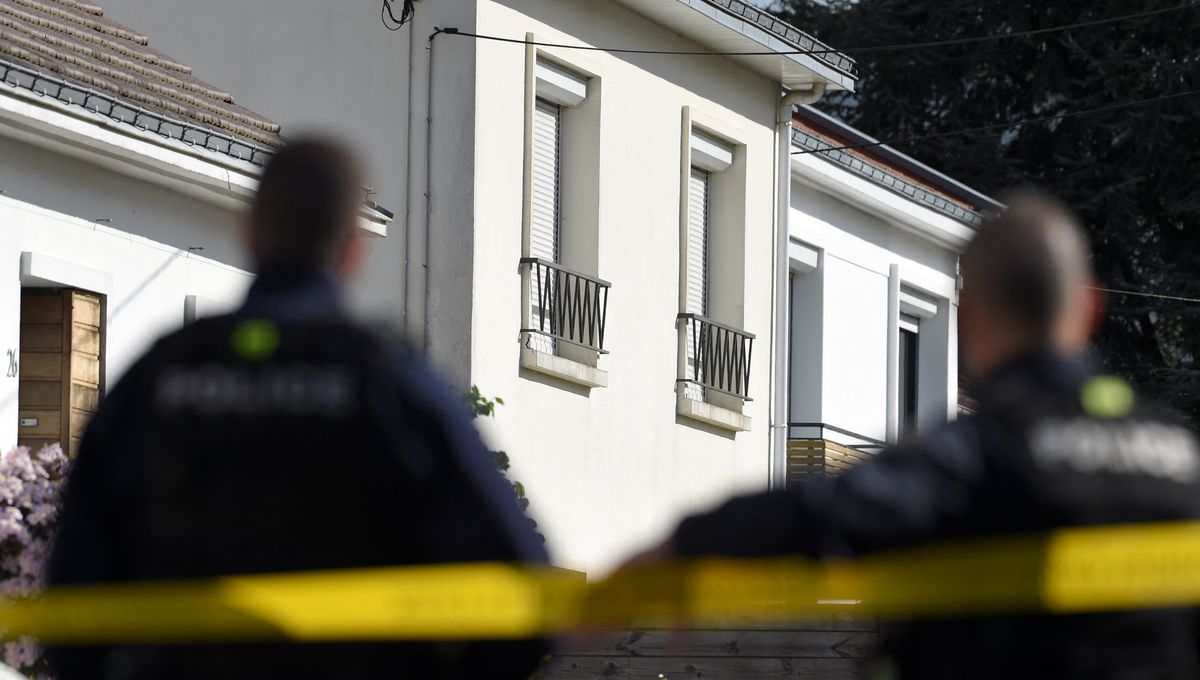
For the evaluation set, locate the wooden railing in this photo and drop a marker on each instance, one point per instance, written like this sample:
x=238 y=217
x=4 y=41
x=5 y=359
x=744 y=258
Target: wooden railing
x=811 y=451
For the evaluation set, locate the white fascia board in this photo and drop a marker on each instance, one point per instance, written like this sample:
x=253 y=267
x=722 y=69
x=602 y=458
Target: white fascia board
x=761 y=40
x=895 y=209
x=79 y=133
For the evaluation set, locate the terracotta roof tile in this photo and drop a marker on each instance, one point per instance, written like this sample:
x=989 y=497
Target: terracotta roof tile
x=73 y=41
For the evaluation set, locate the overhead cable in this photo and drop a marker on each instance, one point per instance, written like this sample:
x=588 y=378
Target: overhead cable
x=1138 y=293
x=850 y=50
x=1000 y=126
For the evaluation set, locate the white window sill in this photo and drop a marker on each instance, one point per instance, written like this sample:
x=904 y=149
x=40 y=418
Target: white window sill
x=712 y=414
x=563 y=368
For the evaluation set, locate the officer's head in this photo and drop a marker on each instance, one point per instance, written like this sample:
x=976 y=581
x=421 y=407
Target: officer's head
x=306 y=210
x=1027 y=284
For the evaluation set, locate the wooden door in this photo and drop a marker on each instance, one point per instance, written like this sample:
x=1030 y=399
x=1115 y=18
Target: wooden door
x=62 y=366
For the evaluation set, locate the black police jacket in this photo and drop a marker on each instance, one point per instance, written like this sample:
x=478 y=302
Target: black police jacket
x=1050 y=446
x=284 y=438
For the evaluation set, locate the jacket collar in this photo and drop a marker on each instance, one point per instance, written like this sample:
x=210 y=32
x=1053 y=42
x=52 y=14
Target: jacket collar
x=290 y=290
x=1042 y=365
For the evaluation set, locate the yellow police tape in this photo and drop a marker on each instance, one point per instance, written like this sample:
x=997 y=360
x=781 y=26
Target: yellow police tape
x=1067 y=571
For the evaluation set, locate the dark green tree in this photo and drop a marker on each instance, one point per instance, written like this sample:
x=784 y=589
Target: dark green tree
x=1131 y=173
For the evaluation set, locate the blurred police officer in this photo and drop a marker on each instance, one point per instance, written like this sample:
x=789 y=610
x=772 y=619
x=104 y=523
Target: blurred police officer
x=1052 y=445
x=286 y=437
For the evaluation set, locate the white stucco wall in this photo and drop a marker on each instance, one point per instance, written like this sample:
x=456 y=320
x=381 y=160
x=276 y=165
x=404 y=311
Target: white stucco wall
x=141 y=258
x=331 y=68
x=609 y=470
x=73 y=187
x=843 y=306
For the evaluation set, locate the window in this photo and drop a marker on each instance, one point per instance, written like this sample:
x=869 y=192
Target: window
x=564 y=301
x=62 y=365
x=909 y=352
x=914 y=401
x=714 y=354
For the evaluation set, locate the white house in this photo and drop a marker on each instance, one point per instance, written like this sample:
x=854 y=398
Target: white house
x=872 y=276
x=622 y=245
x=599 y=239
x=122 y=180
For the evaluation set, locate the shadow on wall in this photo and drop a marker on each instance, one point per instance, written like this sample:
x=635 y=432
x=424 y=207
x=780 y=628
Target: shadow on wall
x=550 y=381
x=632 y=31
x=141 y=287
x=875 y=230
x=705 y=427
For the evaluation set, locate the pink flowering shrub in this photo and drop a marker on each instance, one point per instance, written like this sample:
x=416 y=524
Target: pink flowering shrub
x=30 y=486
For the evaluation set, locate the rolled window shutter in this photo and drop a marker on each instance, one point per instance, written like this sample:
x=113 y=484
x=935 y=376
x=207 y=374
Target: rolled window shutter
x=697 y=250
x=546 y=218
x=547 y=138
x=697 y=274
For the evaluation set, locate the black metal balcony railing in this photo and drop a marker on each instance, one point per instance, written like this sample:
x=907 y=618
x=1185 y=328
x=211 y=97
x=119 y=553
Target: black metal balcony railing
x=567 y=305
x=837 y=435
x=718 y=355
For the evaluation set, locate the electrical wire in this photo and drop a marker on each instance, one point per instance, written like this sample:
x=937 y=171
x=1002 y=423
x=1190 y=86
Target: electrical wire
x=1138 y=293
x=851 y=50
x=407 y=15
x=388 y=15
x=1000 y=126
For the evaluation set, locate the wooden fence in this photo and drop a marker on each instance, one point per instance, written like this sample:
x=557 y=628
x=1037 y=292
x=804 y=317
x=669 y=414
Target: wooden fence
x=807 y=457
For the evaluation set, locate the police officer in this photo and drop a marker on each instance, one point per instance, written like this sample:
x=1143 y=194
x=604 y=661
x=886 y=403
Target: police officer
x=1053 y=444
x=286 y=437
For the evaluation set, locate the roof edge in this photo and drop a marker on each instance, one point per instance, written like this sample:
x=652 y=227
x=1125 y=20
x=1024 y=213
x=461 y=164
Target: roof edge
x=898 y=159
x=789 y=34
x=888 y=180
x=86 y=99
x=201 y=173
x=874 y=198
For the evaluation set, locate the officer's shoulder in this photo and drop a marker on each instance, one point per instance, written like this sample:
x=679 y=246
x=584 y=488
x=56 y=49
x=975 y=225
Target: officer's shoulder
x=230 y=329
x=1103 y=396
x=954 y=444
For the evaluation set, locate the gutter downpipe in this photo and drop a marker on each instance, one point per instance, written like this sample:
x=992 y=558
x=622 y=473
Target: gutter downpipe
x=892 y=425
x=779 y=378
x=408 y=183
x=426 y=288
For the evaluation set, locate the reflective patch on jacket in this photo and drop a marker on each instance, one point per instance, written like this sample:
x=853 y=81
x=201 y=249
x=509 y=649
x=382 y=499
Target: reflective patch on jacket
x=215 y=389
x=1127 y=448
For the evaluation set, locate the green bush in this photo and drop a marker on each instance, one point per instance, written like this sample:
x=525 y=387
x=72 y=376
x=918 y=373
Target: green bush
x=481 y=406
